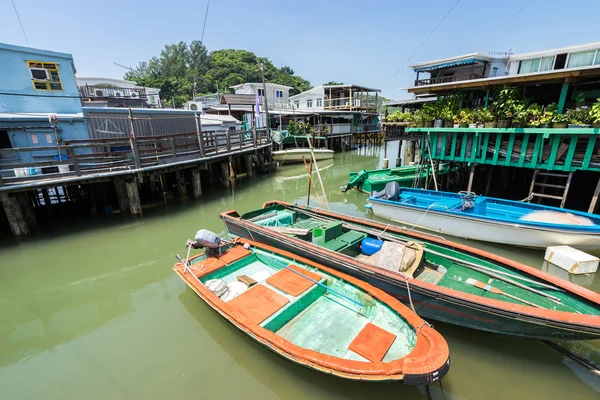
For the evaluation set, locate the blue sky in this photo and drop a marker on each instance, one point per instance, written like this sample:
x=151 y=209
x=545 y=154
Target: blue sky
x=361 y=42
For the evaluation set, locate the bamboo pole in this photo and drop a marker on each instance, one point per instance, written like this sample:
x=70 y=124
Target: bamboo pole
x=312 y=153
x=311 y=181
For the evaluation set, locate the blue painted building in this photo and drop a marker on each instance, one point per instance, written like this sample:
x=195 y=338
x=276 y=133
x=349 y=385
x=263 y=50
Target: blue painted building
x=34 y=86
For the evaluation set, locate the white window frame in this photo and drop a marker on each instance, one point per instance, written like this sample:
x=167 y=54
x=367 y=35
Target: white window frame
x=296 y=104
x=279 y=93
x=569 y=57
x=39 y=69
x=319 y=103
x=309 y=103
x=259 y=90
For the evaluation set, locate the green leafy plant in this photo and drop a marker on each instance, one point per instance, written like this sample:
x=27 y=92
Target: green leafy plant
x=466 y=116
x=595 y=112
x=520 y=114
x=560 y=118
x=534 y=115
x=579 y=115
x=483 y=115
x=506 y=103
x=429 y=112
x=417 y=118
x=300 y=128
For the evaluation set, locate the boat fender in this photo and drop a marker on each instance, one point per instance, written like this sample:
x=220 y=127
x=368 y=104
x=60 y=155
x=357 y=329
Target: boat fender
x=218 y=287
x=370 y=246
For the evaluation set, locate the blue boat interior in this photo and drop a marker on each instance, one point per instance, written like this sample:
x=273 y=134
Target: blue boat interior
x=492 y=208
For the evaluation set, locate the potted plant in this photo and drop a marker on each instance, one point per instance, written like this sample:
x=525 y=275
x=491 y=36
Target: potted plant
x=534 y=115
x=506 y=100
x=417 y=119
x=595 y=114
x=456 y=121
x=579 y=117
x=428 y=115
x=465 y=118
x=520 y=115
x=487 y=118
x=560 y=121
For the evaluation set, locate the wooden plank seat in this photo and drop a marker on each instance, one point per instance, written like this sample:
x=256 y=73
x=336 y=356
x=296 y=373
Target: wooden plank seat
x=372 y=342
x=234 y=254
x=258 y=303
x=291 y=283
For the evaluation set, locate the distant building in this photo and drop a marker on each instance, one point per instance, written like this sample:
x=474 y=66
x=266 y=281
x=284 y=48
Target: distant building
x=277 y=95
x=110 y=92
x=338 y=98
x=39 y=103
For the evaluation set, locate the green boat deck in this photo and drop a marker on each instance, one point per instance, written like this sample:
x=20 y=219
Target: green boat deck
x=325 y=318
x=436 y=269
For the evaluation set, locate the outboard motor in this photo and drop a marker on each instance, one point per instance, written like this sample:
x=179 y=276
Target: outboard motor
x=357 y=181
x=206 y=239
x=391 y=192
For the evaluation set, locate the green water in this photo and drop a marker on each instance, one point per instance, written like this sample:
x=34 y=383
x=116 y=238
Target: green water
x=92 y=310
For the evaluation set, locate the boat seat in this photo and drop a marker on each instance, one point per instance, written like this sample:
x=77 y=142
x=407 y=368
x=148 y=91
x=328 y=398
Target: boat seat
x=234 y=254
x=372 y=342
x=352 y=237
x=258 y=303
x=292 y=283
x=206 y=266
x=335 y=245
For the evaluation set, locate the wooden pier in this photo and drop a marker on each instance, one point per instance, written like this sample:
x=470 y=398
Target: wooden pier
x=84 y=166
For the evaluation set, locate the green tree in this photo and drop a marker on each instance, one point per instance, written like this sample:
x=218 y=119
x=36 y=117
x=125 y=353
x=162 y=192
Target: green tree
x=181 y=70
x=331 y=83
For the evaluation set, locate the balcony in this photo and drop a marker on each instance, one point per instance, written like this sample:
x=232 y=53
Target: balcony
x=350 y=104
x=104 y=92
x=448 y=79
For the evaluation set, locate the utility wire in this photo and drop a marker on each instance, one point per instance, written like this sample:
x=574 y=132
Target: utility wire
x=515 y=14
x=20 y=23
x=427 y=38
x=204 y=25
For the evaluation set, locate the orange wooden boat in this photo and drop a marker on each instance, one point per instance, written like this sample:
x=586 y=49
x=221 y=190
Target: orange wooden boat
x=315 y=316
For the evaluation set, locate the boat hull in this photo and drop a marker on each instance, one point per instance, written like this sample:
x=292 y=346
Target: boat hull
x=428 y=361
x=429 y=303
x=463 y=226
x=295 y=155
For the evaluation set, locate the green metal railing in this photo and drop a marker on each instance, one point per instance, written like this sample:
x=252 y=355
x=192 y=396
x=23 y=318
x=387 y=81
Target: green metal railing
x=544 y=148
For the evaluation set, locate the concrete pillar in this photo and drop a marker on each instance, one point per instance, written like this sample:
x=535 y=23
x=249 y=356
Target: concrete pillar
x=122 y=195
x=196 y=183
x=14 y=214
x=135 y=204
x=249 y=165
x=225 y=174
x=181 y=189
x=27 y=209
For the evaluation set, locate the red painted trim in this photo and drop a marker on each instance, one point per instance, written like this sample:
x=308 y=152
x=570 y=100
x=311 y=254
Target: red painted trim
x=430 y=354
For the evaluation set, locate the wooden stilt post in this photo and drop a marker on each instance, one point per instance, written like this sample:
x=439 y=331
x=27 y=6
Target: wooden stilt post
x=14 y=214
x=180 y=178
x=122 y=196
x=135 y=204
x=471 y=174
x=489 y=180
x=595 y=198
x=196 y=183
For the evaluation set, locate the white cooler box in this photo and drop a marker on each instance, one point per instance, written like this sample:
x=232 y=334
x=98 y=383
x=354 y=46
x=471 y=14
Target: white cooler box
x=572 y=260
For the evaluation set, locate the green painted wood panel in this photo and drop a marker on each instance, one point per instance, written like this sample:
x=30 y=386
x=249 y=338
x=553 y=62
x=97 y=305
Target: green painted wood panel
x=509 y=150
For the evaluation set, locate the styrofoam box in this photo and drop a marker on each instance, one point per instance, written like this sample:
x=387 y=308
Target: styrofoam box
x=572 y=260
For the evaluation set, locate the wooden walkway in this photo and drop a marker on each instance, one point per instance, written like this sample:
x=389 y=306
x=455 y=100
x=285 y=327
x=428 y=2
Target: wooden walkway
x=92 y=160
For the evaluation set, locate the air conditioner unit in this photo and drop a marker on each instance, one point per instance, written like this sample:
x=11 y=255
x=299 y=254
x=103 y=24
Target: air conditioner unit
x=118 y=93
x=100 y=92
x=193 y=106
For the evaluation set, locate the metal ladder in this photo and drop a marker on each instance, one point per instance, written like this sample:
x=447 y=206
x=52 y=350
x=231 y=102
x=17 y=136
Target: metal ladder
x=565 y=187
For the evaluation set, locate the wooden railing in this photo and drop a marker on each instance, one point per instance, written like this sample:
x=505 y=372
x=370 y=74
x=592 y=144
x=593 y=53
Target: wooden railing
x=549 y=149
x=86 y=157
x=447 y=79
x=356 y=102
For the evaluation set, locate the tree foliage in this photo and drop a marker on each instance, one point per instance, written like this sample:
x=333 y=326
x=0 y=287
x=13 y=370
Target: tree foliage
x=181 y=70
x=331 y=83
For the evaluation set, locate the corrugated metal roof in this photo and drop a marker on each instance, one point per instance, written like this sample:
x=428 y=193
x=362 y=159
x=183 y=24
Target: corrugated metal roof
x=239 y=99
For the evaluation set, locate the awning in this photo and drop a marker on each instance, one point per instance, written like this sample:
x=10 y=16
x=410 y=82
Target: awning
x=449 y=64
